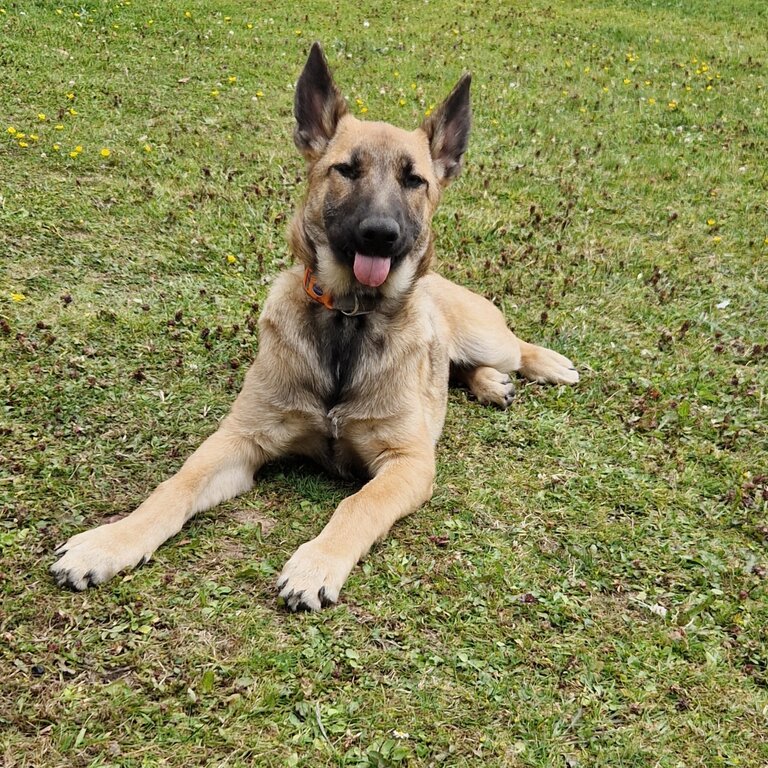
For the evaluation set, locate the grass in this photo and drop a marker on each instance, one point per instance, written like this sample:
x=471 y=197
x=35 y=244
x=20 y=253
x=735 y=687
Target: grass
x=588 y=585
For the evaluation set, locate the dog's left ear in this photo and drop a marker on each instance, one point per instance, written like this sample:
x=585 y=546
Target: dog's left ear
x=447 y=129
x=318 y=106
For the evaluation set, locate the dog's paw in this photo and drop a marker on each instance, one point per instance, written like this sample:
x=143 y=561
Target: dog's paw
x=491 y=387
x=312 y=578
x=546 y=366
x=95 y=556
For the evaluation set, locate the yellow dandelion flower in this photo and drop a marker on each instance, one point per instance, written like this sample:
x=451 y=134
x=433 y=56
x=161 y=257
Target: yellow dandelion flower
x=711 y=222
x=105 y=152
x=259 y=93
x=41 y=117
x=401 y=102
x=23 y=144
x=231 y=258
x=59 y=11
x=147 y=148
x=249 y=25
x=56 y=147
x=232 y=79
x=187 y=14
x=413 y=86
x=227 y=18
x=428 y=112
x=74 y=155
x=587 y=70
x=716 y=239
x=150 y=22
x=18 y=297
x=627 y=81
x=651 y=101
x=10 y=129
x=58 y=127
x=72 y=112
x=33 y=137
x=672 y=105
x=395 y=74
x=605 y=89
x=297 y=32
x=71 y=96
x=363 y=110
x=214 y=93
x=78 y=149
x=20 y=135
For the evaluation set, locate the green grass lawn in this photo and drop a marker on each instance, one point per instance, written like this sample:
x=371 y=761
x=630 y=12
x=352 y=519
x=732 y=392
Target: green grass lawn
x=588 y=585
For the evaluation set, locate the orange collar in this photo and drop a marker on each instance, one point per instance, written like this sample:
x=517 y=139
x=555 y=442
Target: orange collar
x=347 y=305
x=314 y=291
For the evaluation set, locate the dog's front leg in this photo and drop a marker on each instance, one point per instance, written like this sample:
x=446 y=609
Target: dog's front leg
x=314 y=576
x=222 y=467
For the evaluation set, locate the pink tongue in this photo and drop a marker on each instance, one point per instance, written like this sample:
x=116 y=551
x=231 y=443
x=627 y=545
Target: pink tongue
x=371 y=270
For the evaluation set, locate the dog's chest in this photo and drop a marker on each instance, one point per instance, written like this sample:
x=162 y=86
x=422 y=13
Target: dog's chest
x=348 y=350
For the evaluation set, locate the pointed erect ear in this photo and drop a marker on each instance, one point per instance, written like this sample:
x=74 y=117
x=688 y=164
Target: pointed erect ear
x=447 y=129
x=318 y=106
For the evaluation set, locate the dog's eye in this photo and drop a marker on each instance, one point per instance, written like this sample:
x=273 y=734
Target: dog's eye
x=347 y=170
x=413 y=181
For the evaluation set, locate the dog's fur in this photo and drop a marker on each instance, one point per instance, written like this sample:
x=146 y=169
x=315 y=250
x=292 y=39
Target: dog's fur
x=363 y=390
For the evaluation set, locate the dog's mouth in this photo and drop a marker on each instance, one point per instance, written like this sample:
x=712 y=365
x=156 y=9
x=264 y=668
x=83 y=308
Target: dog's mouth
x=371 y=270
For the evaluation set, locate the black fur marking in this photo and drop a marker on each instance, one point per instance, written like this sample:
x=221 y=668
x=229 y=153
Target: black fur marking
x=339 y=339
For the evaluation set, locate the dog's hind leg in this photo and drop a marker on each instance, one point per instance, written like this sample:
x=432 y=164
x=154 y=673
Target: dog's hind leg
x=221 y=468
x=480 y=339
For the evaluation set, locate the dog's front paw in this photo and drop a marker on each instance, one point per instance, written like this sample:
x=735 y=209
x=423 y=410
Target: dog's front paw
x=95 y=556
x=313 y=577
x=548 y=367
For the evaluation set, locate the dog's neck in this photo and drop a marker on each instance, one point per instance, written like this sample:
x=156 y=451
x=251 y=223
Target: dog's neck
x=351 y=305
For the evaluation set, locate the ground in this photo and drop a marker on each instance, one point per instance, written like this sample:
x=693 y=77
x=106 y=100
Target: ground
x=587 y=586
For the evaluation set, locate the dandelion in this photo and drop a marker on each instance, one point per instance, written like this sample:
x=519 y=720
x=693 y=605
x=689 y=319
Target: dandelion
x=41 y=117
x=765 y=242
x=58 y=127
x=72 y=111
x=18 y=297
x=401 y=102
x=147 y=148
x=56 y=147
x=627 y=81
x=428 y=110
x=10 y=129
x=259 y=93
x=20 y=135
x=672 y=105
x=651 y=101
x=105 y=152
x=227 y=18
x=187 y=14
x=214 y=93
x=231 y=258
x=23 y=144
x=232 y=79
x=587 y=70
x=396 y=74
x=711 y=222
x=716 y=239
x=297 y=32
x=33 y=137
x=249 y=25
x=150 y=22
x=59 y=11
x=70 y=96
x=363 y=110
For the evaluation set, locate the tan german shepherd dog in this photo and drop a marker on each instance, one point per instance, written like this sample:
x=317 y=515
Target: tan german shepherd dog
x=356 y=346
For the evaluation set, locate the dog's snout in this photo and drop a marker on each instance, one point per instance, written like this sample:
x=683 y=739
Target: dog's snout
x=378 y=233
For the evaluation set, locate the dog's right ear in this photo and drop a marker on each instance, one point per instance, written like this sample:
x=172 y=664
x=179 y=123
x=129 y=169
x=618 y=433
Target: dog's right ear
x=318 y=106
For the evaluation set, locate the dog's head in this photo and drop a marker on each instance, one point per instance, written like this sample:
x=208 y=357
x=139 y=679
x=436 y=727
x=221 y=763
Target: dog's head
x=365 y=224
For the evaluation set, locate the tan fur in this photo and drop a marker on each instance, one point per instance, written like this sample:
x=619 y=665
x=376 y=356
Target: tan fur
x=392 y=411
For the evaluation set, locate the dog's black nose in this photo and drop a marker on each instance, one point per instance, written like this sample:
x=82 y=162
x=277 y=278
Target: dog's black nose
x=378 y=234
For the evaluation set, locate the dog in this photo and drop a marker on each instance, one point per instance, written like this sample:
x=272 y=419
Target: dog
x=356 y=346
